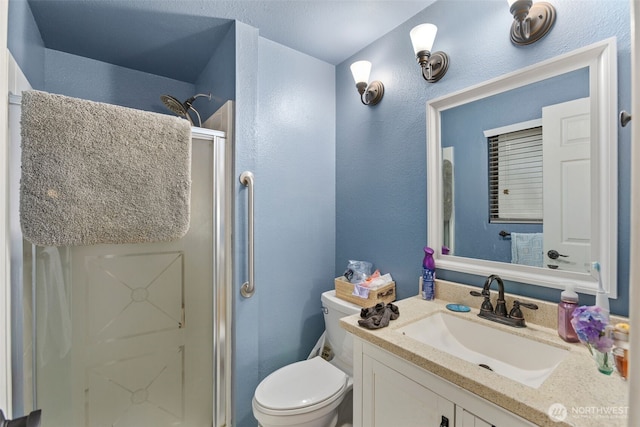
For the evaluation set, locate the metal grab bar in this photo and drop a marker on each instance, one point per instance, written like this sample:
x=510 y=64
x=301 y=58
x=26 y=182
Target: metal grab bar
x=249 y=287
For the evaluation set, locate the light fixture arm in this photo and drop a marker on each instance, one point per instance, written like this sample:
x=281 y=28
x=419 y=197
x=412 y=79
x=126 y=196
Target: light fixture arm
x=523 y=28
x=372 y=93
x=361 y=86
x=434 y=65
x=520 y=9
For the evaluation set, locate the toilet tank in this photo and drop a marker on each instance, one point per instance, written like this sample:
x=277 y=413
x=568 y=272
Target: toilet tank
x=340 y=341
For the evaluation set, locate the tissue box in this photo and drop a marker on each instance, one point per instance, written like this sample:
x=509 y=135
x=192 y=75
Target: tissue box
x=385 y=294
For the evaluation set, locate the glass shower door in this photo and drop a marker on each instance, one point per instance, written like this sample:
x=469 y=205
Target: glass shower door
x=124 y=333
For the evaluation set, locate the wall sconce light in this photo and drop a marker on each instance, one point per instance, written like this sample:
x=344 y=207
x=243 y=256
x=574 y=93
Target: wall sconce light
x=370 y=93
x=434 y=65
x=531 y=21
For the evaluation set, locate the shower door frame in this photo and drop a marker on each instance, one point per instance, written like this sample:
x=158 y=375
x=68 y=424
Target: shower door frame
x=222 y=270
x=5 y=277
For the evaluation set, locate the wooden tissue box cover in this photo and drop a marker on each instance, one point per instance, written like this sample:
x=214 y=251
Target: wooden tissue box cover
x=385 y=294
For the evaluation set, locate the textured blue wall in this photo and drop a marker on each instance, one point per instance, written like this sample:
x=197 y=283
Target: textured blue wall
x=381 y=150
x=246 y=352
x=81 y=77
x=295 y=237
x=292 y=155
x=25 y=43
x=219 y=76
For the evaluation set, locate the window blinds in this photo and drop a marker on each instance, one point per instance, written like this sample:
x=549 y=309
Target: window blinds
x=515 y=176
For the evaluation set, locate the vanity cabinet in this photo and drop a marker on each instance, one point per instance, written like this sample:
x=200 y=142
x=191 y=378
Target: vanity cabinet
x=395 y=400
x=389 y=391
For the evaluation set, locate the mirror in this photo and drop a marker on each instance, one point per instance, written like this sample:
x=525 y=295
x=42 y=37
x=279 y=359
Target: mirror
x=522 y=173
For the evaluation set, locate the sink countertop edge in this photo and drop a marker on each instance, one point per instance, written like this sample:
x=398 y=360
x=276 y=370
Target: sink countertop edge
x=576 y=383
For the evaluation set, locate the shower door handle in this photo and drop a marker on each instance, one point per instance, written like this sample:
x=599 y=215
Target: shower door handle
x=249 y=287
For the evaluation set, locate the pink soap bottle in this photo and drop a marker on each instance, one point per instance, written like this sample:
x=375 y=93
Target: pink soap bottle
x=568 y=303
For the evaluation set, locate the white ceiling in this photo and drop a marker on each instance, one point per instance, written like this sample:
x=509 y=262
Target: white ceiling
x=174 y=37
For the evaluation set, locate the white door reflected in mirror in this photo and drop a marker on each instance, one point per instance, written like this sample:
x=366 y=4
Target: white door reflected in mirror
x=567 y=185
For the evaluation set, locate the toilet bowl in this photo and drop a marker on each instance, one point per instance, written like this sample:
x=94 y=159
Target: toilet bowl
x=309 y=393
x=304 y=393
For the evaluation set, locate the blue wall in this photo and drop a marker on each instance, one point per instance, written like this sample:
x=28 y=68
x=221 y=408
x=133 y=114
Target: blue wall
x=292 y=154
x=25 y=43
x=81 y=77
x=246 y=351
x=219 y=76
x=295 y=232
x=381 y=150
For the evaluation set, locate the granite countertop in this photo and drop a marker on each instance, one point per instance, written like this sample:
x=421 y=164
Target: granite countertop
x=590 y=397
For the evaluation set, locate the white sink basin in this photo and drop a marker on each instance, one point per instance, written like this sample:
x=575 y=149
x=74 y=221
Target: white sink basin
x=521 y=359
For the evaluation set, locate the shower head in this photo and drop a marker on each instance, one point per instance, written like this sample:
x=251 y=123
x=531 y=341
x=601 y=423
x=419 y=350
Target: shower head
x=174 y=105
x=182 y=108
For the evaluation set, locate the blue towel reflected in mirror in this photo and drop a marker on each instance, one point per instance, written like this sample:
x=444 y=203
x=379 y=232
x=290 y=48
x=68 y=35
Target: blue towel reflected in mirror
x=527 y=249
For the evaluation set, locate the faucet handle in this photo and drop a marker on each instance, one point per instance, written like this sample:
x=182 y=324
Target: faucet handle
x=516 y=313
x=530 y=306
x=485 y=293
x=486 y=304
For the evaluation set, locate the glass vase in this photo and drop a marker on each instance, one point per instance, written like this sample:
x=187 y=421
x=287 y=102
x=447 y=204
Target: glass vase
x=604 y=361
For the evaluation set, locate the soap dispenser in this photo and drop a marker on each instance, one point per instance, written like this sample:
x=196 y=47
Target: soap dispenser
x=568 y=303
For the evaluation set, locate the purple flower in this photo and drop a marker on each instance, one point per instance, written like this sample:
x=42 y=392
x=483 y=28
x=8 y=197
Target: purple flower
x=590 y=323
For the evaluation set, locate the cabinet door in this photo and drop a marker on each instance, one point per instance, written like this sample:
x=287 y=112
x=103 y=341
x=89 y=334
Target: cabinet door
x=391 y=399
x=467 y=419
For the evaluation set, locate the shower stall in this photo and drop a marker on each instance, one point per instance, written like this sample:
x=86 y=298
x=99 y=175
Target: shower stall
x=130 y=334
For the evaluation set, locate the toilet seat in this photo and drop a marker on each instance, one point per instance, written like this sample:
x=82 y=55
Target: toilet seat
x=301 y=387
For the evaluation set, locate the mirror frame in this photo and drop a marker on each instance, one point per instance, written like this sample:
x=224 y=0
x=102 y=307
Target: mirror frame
x=601 y=59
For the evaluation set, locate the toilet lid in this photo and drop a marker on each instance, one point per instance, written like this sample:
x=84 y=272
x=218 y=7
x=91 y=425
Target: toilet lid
x=300 y=384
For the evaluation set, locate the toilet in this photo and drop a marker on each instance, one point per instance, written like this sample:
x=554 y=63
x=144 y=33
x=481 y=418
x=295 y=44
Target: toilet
x=309 y=393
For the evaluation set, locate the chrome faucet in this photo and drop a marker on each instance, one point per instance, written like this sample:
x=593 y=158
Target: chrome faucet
x=515 y=317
